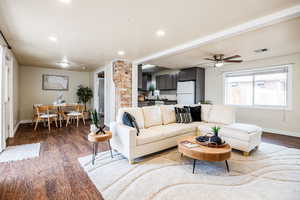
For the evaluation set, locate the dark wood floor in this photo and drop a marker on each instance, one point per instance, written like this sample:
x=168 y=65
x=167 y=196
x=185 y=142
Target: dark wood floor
x=56 y=173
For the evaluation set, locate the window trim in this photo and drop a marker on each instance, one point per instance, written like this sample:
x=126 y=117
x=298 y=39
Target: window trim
x=289 y=90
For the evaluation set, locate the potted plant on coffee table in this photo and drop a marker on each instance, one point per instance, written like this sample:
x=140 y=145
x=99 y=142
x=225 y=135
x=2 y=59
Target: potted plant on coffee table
x=95 y=127
x=215 y=138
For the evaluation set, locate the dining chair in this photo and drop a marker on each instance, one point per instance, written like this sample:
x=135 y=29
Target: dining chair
x=77 y=113
x=34 y=113
x=48 y=113
x=64 y=110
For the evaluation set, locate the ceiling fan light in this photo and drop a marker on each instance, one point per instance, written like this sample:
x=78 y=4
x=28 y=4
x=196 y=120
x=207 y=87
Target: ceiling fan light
x=219 y=64
x=63 y=64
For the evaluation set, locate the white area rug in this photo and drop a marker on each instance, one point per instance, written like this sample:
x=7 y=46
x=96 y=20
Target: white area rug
x=20 y=152
x=271 y=172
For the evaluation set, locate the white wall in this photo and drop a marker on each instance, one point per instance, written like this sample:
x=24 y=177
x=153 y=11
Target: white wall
x=30 y=88
x=277 y=121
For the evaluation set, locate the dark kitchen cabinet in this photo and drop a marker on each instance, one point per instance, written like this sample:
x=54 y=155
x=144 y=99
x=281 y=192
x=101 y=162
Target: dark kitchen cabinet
x=140 y=77
x=188 y=74
x=200 y=85
x=143 y=79
x=161 y=83
x=158 y=83
x=174 y=78
x=166 y=82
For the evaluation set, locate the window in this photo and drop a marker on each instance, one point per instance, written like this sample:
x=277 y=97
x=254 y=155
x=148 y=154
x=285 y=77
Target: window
x=267 y=87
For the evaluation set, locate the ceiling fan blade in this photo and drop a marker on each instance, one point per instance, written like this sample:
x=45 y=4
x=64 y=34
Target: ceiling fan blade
x=209 y=59
x=231 y=57
x=233 y=61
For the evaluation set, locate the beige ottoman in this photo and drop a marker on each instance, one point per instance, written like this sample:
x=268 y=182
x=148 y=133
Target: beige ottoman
x=243 y=137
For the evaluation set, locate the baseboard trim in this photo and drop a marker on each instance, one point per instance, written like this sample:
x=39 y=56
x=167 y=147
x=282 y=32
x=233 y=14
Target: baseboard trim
x=25 y=121
x=16 y=128
x=281 y=132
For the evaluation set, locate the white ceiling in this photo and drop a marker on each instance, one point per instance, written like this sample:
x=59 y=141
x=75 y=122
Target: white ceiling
x=280 y=39
x=90 y=33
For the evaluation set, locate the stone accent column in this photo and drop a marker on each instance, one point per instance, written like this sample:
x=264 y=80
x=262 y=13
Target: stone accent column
x=122 y=77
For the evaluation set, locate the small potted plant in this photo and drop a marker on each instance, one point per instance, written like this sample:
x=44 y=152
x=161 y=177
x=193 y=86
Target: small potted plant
x=215 y=138
x=151 y=89
x=95 y=128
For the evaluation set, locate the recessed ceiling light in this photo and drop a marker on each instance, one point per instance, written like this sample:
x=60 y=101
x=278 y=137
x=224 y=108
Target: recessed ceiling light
x=52 y=38
x=160 y=33
x=84 y=68
x=121 y=53
x=66 y=1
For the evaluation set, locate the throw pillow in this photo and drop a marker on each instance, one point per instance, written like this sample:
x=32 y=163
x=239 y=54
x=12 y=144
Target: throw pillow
x=187 y=115
x=177 y=114
x=195 y=113
x=183 y=115
x=129 y=120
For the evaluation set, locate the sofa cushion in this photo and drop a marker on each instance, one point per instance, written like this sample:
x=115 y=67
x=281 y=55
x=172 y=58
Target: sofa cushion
x=168 y=114
x=222 y=114
x=137 y=113
x=152 y=116
x=238 y=134
x=247 y=128
x=240 y=131
x=156 y=133
x=227 y=132
x=205 y=111
x=148 y=135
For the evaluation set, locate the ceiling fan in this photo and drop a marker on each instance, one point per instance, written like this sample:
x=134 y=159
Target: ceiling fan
x=219 y=59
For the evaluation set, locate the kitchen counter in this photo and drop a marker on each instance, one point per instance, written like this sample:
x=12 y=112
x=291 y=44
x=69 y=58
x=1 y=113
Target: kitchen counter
x=151 y=102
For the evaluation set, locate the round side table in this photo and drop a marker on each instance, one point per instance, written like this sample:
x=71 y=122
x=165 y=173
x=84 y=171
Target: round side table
x=96 y=138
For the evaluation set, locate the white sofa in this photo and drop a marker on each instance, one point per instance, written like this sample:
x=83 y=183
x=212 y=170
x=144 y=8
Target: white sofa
x=159 y=130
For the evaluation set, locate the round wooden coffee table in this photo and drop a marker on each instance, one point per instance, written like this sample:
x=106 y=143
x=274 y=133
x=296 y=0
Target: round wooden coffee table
x=200 y=152
x=96 y=138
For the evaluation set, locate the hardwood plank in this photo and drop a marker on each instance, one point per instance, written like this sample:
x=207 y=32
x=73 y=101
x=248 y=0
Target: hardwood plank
x=56 y=173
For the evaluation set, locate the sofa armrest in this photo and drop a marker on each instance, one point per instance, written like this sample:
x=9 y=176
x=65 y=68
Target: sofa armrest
x=123 y=138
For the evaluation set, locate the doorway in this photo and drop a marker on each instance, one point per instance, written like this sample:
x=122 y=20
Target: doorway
x=6 y=115
x=101 y=87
